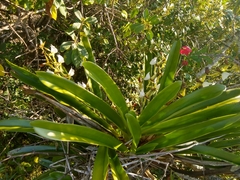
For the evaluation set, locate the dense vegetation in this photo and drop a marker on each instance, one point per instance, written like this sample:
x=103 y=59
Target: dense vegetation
x=104 y=89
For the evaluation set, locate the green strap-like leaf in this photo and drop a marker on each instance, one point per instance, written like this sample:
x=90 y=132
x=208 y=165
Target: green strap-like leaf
x=226 y=143
x=76 y=133
x=16 y=125
x=217 y=153
x=34 y=149
x=32 y=80
x=194 y=131
x=109 y=86
x=225 y=95
x=171 y=66
x=100 y=168
x=69 y=88
x=134 y=128
x=117 y=169
x=228 y=107
x=158 y=101
x=86 y=43
x=189 y=100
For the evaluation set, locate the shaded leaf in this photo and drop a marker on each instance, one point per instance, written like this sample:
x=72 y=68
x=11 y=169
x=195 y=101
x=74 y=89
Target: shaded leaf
x=16 y=125
x=218 y=153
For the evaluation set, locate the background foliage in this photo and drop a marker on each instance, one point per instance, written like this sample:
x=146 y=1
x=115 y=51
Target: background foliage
x=121 y=37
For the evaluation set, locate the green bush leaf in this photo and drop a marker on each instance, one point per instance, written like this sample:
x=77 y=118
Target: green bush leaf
x=137 y=27
x=76 y=133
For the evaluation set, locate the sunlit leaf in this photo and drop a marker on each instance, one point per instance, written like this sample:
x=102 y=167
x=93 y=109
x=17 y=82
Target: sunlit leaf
x=76 y=133
x=100 y=168
x=134 y=128
x=171 y=66
x=1 y=70
x=53 y=12
x=109 y=86
x=116 y=167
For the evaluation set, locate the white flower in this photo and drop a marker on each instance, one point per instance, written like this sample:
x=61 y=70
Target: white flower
x=82 y=84
x=53 y=49
x=49 y=71
x=60 y=59
x=142 y=93
x=147 y=77
x=71 y=72
x=225 y=75
x=153 y=61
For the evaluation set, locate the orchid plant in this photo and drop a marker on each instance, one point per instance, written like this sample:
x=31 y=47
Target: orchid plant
x=194 y=128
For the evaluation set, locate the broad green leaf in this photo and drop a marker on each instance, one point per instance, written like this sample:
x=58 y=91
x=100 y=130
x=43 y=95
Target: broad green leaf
x=66 y=45
x=63 y=10
x=189 y=100
x=1 y=70
x=91 y=20
x=68 y=56
x=34 y=149
x=217 y=153
x=149 y=35
x=76 y=133
x=171 y=66
x=116 y=167
x=158 y=101
x=109 y=86
x=134 y=128
x=76 y=57
x=228 y=107
x=100 y=168
x=146 y=14
x=137 y=27
x=16 y=125
x=70 y=88
x=78 y=14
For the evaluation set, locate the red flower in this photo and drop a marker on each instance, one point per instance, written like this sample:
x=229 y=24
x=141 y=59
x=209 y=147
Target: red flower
x=184 y=63
x=185 y=50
